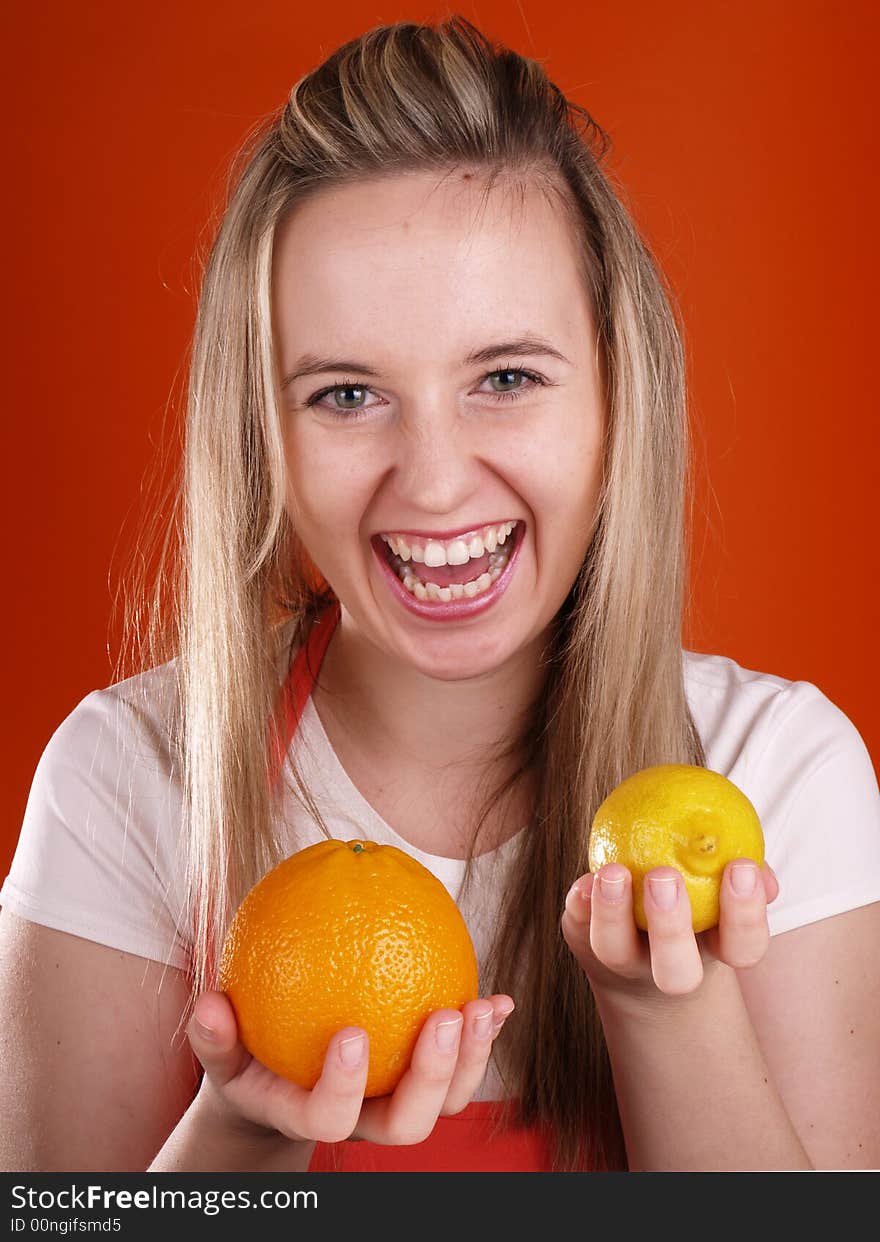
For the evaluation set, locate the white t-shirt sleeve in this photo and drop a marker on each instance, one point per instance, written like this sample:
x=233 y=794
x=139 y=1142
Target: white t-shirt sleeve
x=814 y=768
x=95 y=856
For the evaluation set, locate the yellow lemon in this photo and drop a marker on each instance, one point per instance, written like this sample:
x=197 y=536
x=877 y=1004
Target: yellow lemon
x=677 y=815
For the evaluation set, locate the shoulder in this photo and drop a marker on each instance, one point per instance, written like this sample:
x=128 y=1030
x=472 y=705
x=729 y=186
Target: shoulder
x=97 y=851
x=738 y=709
x=119 y=744
x=136 y=717
x=804 y=766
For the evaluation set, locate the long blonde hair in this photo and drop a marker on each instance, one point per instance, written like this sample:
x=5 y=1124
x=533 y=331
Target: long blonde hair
x=242 y=593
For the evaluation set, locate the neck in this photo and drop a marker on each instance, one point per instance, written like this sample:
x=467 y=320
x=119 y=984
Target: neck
x=424 y=723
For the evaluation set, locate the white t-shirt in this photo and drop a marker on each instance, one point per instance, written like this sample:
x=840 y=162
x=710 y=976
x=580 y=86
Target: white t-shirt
x=97 y=851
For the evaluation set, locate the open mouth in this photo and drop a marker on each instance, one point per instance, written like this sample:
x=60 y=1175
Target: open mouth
x=453 y=577
x=460 y=576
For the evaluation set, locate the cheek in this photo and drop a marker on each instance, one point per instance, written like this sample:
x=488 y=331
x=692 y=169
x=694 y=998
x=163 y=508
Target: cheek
x=565 y=484
x=297 y=490
x=327 y=487
x=305 y=486
x=565 y=505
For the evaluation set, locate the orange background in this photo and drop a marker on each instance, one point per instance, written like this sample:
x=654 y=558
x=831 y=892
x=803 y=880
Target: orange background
x=743 y=133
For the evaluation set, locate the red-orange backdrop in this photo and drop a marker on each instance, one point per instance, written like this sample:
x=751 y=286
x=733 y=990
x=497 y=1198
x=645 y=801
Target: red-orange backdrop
x=744 y=133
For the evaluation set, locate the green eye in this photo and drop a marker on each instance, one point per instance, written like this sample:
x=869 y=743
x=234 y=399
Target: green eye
x=516 y=374
x=349 y=388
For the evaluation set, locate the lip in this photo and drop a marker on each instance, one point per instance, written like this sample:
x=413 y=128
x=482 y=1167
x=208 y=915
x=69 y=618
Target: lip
x=445 y=535
x=456 y=609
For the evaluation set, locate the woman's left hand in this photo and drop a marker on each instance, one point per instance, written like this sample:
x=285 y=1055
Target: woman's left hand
x=617 y=957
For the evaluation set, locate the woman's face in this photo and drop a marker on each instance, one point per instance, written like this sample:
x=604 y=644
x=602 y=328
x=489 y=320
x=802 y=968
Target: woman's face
x=455 y=349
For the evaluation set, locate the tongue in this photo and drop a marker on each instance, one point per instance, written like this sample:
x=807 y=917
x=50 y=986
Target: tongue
x=443 y=575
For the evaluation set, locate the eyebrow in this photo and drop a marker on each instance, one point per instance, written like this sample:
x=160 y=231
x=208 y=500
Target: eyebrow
x=311 y=365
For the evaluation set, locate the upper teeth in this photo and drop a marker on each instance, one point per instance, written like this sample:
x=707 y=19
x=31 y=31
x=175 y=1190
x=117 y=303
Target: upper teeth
x=459 y=551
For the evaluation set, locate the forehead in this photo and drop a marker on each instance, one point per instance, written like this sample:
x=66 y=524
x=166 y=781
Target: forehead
x=405 y=252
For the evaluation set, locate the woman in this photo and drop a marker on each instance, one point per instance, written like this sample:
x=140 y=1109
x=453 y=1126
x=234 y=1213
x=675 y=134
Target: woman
x=433 y=531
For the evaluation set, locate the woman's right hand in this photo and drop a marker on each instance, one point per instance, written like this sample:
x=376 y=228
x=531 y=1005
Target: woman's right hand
x=447 y=1066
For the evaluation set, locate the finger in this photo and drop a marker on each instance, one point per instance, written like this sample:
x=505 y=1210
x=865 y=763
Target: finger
x=771 y=884
x=575 y=921
x=483 y=1020
x=503 y=1007
x=409 y=1114
x=213 y=1036
x=676 y=964
x=330 y=1111
x=235 y=1086
x=244 y=1091
x=743 y=932
x=614 y=936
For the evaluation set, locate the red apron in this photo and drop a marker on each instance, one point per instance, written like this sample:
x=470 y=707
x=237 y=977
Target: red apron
x=457 y=1144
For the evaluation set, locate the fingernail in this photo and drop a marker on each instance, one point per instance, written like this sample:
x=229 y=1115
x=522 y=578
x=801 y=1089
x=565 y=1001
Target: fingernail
x=664 y=891
x=351 y=1050
x=446 y=1034
x=483 y=1025
x=611 y=888
x=499 y=1022
x=743 y=879
x=205 y=1032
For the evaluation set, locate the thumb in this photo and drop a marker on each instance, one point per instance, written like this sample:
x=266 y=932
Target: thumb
x=213 y=1036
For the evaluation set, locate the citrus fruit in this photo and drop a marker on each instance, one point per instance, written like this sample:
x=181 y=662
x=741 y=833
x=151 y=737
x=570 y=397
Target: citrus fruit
x=677 y=815
x=344 y=933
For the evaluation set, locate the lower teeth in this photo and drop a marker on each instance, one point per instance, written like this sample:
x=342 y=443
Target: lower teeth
x=455 y=590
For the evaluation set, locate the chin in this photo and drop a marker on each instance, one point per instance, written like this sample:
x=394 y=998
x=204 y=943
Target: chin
x=456 y=660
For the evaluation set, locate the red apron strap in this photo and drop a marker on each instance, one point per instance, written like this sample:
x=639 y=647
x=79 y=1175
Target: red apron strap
x=304 y=669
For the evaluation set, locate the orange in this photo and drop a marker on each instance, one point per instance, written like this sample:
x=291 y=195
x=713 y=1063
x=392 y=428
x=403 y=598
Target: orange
x=344 y=933
x=677 y=815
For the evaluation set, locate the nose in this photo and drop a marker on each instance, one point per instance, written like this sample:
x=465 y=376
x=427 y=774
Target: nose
x=436 y=464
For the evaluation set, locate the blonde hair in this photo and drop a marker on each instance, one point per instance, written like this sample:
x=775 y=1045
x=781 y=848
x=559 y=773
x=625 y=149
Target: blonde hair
x=399 y=98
